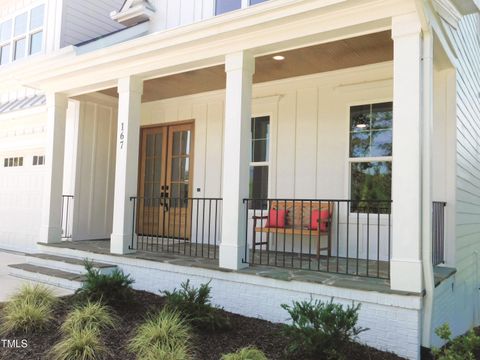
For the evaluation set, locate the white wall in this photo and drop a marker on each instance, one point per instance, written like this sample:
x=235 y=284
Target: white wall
x=462 y=294
x=309 y=145
x=173 y=13
x=87 y=19
x=94 y=171
x=21 y=188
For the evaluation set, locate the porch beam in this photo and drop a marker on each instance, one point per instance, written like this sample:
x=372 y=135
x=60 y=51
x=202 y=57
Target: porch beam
x=239 y=67
x=51 y=228
x=130 y=90
x=406 y=264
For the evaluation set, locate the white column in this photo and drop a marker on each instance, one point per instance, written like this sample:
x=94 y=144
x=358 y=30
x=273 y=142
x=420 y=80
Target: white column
x=130 y=91
x=51 y=228
x=406 y=264
x=239 y=67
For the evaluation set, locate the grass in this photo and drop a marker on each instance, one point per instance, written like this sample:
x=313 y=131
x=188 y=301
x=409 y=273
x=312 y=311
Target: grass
x=163 y=336
x=247 y=353
x=91 y=314
x=29 y=309
x=80 y=344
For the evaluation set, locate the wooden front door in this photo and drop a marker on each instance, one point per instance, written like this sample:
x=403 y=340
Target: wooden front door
x=164 y=205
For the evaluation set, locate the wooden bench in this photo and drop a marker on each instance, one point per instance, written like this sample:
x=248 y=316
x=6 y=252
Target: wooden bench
x=297 y=222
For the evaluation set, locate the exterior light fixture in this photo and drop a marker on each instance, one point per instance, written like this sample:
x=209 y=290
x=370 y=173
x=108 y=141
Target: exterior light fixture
x=279 y=57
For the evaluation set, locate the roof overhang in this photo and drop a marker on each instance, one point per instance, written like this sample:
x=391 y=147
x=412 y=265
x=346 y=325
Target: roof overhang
x=133 y=12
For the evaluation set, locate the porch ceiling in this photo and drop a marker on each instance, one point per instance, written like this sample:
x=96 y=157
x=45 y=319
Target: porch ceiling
x=341 y=54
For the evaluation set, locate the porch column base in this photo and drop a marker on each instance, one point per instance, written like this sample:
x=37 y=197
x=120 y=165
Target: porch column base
x=231 y=257
x=50 y=235
x=119 y=244
x=406 y=275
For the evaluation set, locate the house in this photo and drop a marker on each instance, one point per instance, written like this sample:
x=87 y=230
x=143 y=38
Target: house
x=281 y=149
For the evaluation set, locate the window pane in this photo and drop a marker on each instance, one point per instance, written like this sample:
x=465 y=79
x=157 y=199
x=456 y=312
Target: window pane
x=360 y=118
x=360 y=144
x=175 y=170
x=185 y=149
x=35 y=160
x=5 y=55
x=184 y=169
x=258 y=182
x=381 y=143
x=20 y=24
x=371 y=181
x=6 y=31
x=20 y=161
x=36 y=42
x=41 y=160
x=176 y=150
x=19 y=49
x=382 y=116
x=253 y=2
x=223 y=6
x=259 y=150
x=36 y=17
x=260 y=128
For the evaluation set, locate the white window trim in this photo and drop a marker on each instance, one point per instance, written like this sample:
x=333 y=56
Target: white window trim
x=27 y=35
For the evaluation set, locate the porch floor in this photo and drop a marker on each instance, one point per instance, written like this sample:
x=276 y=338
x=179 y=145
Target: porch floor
x=271 y=271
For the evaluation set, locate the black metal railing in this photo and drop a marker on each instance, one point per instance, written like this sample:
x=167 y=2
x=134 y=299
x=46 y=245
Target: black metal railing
x=185 y=226
x=337 y=236
x=438 y=232
x=67 y=209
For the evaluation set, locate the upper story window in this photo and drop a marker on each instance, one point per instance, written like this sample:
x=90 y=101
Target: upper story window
x=224 y=6
x=22 y=35
x=13 y=162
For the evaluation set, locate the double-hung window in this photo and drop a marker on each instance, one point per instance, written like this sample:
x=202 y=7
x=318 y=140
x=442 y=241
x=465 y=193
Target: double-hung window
x=259 y=160
x=22 y=35
x=371 y=157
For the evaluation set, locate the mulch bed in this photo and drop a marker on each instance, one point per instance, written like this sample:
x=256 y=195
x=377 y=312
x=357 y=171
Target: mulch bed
x=208 y=346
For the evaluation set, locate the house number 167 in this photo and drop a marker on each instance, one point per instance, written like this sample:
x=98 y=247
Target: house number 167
x=122 y=135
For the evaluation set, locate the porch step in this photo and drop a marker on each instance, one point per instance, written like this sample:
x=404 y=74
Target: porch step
x=56 y=277
x=67 y=264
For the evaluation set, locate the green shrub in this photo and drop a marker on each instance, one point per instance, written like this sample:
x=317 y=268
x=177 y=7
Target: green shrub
x=195 y=305
x=92 y=314
x=247 y=353
x=111 y=288
x=321 y=328
x=80 y=344
x=164 y=336
x=29 y=309
x=460 y=348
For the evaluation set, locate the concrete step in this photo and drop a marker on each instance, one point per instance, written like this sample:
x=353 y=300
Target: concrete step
x=56 y=277
x=67 y=264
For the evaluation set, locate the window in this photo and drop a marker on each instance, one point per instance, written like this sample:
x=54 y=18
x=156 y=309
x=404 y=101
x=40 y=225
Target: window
x=13 y=162
x=38 y=160
x=371 y=156
x=224 y=6
x=260 y=144
x=22 y=35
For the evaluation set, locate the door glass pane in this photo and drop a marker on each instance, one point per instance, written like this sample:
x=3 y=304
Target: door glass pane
x=19 y=49
x=175 y=169
x=223 y=6
x=150 y=145
x=184 y=169
x=149 y=169
x=158 y=170
x=176 y=146
x=20 y=24
x=5 y=55
x=175 y=191
x=158 y=144
x=183 y=194
x=36 y=17
x=36 y=42
x=6 y=31
x=185 y=150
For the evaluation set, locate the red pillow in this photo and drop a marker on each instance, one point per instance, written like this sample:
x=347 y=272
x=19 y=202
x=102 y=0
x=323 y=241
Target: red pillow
x=276 y=218
x=323 y=216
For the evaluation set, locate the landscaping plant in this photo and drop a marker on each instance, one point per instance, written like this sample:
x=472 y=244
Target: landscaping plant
x=247 y=353
x=80 y=344
x=114 y=288
x=460 y=348
x=321 y=328
x=29 y=309
x=92 y=314
x=195 y=305
x=162 y=336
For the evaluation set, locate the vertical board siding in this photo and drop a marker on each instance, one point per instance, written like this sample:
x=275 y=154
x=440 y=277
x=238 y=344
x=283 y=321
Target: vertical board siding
x=459 y=302
x=173 y=13
x=87 y=19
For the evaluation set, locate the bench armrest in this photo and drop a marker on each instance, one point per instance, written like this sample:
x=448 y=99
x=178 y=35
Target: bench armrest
x=255 y=217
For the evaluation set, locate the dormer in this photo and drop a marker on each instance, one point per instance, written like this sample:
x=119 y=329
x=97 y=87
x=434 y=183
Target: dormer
x=133 y=12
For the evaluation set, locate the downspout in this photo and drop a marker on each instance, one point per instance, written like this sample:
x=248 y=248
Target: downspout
x=427 y=128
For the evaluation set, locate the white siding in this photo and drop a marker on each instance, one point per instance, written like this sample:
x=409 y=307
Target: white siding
x=173 y=13
x=87 y=19
x=463 y=293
